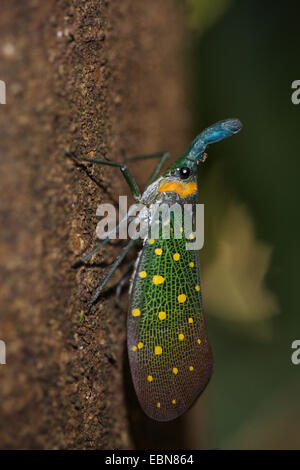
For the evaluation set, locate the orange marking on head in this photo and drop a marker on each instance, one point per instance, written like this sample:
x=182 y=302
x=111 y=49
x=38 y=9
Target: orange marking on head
x=182 y=189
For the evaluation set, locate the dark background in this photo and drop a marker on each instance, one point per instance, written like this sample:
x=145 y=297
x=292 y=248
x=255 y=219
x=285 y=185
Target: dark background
x=244 y=62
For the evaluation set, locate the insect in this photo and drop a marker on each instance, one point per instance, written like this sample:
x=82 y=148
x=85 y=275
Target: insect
x=170 y=359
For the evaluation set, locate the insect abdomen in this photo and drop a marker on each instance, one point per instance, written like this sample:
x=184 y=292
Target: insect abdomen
x=170 y=359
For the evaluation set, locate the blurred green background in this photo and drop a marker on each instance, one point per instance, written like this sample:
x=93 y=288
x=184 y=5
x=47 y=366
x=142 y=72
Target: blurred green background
x=244 y=56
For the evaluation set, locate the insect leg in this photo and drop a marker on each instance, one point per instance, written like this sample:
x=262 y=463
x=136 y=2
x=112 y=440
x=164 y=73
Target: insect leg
x=145 y=157
x=110 y=272
x=157 y=169
x=90 y=253
x=99 y=246
x=121 y=284
x=163 y=156
x=124 y=170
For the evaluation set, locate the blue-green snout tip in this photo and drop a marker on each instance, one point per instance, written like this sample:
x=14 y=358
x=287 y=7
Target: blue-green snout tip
x=232 y=125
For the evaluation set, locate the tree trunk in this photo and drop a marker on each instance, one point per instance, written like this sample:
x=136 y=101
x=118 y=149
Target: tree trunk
x=93 y=77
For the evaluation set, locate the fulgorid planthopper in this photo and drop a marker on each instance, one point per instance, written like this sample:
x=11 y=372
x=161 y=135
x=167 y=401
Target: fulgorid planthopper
x=170 y=359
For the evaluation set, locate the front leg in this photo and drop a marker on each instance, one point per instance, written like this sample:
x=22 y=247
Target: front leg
x=163 y=157
x=124 y=170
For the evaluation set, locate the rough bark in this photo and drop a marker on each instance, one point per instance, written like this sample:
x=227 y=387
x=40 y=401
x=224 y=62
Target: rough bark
x=98 y=78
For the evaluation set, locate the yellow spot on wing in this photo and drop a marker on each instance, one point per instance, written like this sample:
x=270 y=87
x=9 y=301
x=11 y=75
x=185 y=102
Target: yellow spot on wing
x=176 y=256
x=158 y=280
x=136 y=312
x=181 y=337
x=162 y=315
x=158 y=251
x=149 y=378
x=158 y=350
x=143 y=274
x=140 y=345
x=175 y=370
x=181 y=298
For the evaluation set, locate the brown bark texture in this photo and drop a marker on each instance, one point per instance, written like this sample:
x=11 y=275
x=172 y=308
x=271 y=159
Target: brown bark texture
x=98 y=78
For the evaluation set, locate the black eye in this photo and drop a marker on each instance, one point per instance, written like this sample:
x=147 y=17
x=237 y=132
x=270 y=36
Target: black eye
x=184 y=172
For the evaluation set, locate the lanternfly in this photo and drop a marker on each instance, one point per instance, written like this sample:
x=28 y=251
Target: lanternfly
x=170 y=359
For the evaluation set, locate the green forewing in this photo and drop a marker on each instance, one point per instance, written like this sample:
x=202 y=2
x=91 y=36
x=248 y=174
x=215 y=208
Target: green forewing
x=170 y=358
